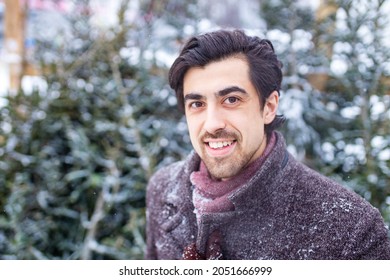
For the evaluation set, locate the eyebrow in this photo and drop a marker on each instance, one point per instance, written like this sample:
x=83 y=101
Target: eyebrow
x=193 y=96
x=231 y=89
x=221 y=93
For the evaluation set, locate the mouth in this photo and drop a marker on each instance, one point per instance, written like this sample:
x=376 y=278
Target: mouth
x=219 y=144
x=220 y=148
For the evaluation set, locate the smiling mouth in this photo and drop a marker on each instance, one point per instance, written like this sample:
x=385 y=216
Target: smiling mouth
x=220 y=149
x=219 y=144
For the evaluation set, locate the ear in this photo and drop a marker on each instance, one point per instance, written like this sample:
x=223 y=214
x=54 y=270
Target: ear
x=271 y=107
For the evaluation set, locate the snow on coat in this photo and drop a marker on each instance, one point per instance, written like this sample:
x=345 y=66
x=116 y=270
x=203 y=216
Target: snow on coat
x=285 y=211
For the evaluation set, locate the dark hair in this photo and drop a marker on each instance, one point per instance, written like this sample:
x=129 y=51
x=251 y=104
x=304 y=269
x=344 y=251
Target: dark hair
x=265 y=68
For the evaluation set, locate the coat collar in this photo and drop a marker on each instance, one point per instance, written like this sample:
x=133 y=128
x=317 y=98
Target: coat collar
x=262 y=184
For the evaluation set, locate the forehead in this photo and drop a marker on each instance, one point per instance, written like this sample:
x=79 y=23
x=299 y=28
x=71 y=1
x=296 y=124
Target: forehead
x=232 y=71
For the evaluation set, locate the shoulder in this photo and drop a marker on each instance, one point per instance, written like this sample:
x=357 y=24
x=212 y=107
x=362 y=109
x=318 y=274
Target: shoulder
x=308 y=190
x=173 y=175
x=175 y=170
x=343 y=216
x=322 y=192
x=167 y=173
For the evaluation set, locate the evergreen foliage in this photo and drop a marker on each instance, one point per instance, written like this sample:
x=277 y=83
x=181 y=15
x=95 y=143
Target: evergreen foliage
x=358 y=148
x=75 y=159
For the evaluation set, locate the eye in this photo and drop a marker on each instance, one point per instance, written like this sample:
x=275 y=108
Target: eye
x=196 y=104
x=231 y=100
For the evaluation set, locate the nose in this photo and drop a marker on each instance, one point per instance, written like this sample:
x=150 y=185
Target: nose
x=215 y=120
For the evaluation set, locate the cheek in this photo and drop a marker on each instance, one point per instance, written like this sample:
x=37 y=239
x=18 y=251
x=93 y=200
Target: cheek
x=251 y=127
x=193 y=129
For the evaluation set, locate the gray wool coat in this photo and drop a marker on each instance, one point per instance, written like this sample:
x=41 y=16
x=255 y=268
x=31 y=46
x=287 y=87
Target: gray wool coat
x=286 y=211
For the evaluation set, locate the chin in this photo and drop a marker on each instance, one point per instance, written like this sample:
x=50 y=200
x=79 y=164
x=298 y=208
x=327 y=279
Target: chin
x=223 y=173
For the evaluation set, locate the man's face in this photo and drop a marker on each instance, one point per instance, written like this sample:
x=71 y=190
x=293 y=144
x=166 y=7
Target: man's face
x=224 y=116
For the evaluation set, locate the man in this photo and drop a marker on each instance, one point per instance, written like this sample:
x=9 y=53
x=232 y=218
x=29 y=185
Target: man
x=240 y=194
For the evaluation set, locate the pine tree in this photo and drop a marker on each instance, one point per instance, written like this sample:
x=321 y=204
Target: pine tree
x=358 y=149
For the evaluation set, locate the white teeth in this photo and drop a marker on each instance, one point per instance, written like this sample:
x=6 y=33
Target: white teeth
x=216 y=145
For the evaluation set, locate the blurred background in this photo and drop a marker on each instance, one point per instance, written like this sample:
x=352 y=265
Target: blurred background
x=86 y=115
